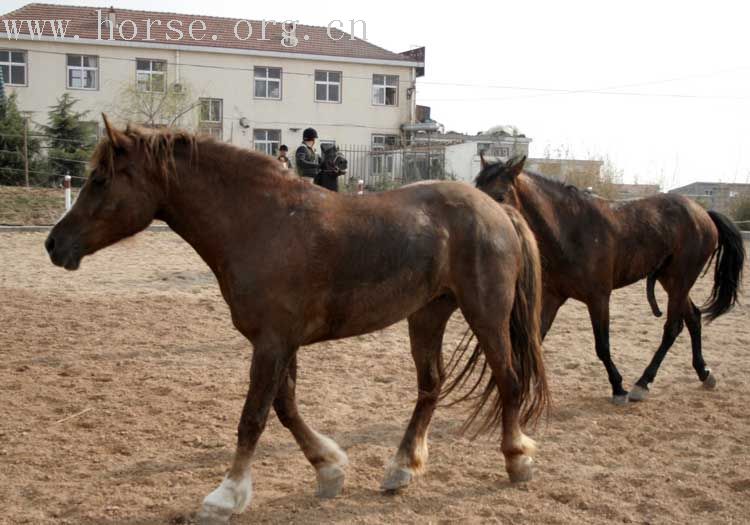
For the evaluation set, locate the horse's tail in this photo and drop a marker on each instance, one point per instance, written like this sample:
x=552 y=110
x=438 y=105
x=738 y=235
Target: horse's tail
x=730 y=257
x=526 y=343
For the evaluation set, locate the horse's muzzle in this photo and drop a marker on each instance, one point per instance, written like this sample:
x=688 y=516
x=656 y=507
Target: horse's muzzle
x=63 y=251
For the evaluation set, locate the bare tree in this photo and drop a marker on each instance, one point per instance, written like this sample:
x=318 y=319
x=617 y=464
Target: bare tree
x=156 y=107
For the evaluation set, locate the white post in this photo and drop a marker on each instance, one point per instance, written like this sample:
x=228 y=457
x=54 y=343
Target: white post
x=68 y=195
x=360 y=187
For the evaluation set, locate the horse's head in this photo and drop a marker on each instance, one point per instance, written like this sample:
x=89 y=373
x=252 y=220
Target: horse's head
x=498 y=179
x=333 y=160
x=119 y=199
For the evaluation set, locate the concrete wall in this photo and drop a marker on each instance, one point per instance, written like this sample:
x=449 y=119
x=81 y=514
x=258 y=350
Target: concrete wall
x=353 y=121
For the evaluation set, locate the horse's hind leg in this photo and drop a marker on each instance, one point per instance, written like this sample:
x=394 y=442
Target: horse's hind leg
x=269 y=364
x=321 y=451
x=489 y=319
x=426 y=328
x=672 y=328
x=693 y=323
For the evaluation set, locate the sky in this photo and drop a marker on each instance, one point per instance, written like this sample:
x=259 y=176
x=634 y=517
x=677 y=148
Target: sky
x=660 y=88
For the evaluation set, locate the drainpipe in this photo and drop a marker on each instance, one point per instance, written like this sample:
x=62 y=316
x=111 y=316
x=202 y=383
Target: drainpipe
x=177 y=66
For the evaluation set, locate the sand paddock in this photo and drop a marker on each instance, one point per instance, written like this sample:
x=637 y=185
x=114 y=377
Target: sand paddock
x=141 y=340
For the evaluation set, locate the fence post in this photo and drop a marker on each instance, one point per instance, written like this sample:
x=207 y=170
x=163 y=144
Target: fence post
x=360 y=187
x=68 y=195
x=26 y=150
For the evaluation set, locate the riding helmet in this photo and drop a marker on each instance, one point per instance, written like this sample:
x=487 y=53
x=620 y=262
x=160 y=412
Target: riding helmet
x=309 y=134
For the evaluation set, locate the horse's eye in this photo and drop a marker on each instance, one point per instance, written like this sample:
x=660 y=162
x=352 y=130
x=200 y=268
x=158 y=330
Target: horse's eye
x=98 y=181
x=500 y=198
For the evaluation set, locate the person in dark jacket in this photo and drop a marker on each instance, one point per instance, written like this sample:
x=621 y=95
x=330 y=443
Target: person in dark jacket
x=306 y=160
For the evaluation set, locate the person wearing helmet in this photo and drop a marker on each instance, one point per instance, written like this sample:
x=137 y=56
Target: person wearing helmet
x=306 y=160
x=282 y=158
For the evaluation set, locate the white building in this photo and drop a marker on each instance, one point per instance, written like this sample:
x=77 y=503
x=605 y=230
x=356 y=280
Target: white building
x=255 y=84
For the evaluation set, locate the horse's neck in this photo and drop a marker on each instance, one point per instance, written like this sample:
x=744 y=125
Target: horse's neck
x=209 y=211
x=550 y=214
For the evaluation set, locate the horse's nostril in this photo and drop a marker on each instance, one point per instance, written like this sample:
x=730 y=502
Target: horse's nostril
x=49 y=244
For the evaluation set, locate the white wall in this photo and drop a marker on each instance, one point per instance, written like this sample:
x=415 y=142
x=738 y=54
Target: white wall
x=353 y=121
x=462 y=160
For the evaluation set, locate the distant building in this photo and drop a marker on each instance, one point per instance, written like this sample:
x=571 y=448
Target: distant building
x=629 y=192
x=462 y=160
x=566 y=169
x=719 y=196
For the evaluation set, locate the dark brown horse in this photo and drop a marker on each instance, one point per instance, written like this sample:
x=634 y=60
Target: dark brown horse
x=591 y=246
x=298 y=264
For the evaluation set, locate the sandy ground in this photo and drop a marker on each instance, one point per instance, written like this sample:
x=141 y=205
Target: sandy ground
x=141 y=340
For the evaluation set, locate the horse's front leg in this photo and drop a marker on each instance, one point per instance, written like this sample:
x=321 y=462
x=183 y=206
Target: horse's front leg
x=269 y=364
x=321 y=451
x=599 y=313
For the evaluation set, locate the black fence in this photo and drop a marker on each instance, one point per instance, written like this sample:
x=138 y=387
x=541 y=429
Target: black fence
x=384 y=169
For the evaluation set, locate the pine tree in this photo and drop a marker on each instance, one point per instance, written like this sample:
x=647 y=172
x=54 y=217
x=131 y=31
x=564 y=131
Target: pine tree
x=12 y=124
x=70 y=139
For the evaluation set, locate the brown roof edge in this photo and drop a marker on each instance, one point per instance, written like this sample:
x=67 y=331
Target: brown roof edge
x=313 y=40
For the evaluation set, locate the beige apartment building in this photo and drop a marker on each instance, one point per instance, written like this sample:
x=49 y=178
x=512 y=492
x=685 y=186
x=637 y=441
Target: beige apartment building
x=250 y=83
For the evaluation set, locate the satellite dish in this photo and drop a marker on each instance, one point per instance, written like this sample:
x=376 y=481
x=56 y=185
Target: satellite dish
x=244 y=123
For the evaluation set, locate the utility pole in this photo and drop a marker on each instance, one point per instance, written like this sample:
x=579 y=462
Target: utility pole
x=26 y=149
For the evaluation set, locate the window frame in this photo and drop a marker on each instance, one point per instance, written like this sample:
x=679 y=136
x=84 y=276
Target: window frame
x=267 y=80
x=150 y=73
x=83 y=69
x=385 y=87
x=267 y=141
x=214 y=128
x=382 y=153
x=328 y=83
x=10 y=64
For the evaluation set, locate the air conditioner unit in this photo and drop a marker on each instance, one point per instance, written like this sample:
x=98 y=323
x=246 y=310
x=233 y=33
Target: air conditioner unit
x=177 y=88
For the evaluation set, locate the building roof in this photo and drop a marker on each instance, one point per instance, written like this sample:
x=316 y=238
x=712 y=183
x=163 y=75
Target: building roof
x=726 y=185
x=313 y=40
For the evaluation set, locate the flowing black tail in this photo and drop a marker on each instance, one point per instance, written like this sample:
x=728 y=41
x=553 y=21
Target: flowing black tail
x=526 y=342
x=730 y=257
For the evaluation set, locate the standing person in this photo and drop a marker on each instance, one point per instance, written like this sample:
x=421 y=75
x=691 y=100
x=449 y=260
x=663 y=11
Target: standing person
x=283 y=150
x=306 y=160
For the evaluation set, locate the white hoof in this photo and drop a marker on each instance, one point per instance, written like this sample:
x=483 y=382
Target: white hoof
x=396 y=477
x=231 y=497
x=620 y=400
x=519 y=468
x=331 y=470
x=710 y=382
x=330 y=481
x=638 y=393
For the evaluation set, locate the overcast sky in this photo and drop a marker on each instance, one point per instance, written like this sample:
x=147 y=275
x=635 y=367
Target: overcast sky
x=683 y=66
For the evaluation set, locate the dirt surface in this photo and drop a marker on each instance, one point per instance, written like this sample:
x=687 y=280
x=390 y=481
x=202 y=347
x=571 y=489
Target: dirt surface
x=137 y=351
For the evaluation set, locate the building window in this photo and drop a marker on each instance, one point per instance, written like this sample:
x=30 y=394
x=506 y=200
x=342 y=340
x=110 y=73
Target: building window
x=382 y=161
x=268 y=82
x=328 y=86
x=211 y=117
x=150 y=75
x=385 y=90
x=83 y=72
x=384 y=141
x=13 y=66
x=267 y=141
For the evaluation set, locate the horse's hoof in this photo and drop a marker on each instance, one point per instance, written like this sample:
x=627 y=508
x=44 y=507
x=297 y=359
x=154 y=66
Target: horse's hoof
x=330 y=481
x=520 y=469
x=638 y=393
x=620 y=400
x=396 y=478
x=231 y=497
x=710 y=382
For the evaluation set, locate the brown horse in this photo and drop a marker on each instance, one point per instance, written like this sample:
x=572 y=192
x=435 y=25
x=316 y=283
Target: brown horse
x=591 y=246
x=298 y=264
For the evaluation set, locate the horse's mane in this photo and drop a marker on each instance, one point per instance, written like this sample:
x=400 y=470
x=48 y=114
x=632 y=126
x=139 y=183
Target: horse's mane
x=559 y=187
x=159 y=147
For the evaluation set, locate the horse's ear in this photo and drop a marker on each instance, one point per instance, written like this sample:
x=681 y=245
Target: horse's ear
x=482 y=162
x=514 y=166
x=118 y=139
